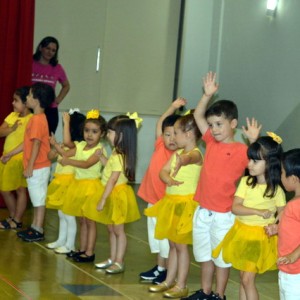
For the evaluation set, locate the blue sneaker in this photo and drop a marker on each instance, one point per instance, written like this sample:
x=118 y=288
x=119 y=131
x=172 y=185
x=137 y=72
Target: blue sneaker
x=160 y=278
x=200 y=295
x=151 y=274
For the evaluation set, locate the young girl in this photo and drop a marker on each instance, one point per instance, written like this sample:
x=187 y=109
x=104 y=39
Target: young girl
x=175 y=211
x=117 y=204
x=62 y=177
x=257 y=199
x=86 y=184
x=12 y=182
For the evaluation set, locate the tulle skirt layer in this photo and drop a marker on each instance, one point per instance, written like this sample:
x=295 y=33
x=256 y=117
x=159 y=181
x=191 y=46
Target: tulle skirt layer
x=11 y=174
x=120 y=207
x=57 y=188
x=248 y=248
x=79 y=192
x=174 y=215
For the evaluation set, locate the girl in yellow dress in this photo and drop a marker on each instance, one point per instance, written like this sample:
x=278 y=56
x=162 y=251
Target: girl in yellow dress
x=175 y=211
x=117 y=204
x=86 y=185
x=258 y=198
x=12 y=182
x=63 y=175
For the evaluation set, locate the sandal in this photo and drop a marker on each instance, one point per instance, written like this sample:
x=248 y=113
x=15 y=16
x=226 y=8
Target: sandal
x=18 y=224
x=6 y=225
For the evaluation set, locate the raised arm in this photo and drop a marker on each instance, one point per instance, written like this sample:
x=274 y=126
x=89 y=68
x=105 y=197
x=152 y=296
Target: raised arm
x=176 y=104
x=252 y=130
x=66 y=131
x=210 y=88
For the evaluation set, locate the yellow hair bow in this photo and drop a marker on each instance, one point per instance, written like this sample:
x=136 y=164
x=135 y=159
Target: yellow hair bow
x=93 y=114
x=134 y=116
x=276 y=138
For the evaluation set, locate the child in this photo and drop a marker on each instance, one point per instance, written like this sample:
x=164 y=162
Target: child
x=153 y=188
x=288 y=229
x=224 y=163
x=35 y=161
x=174 y=212
x=62 y=178
x=86 y=184
x=11 y=167
x=117 y=204
x=258 y=197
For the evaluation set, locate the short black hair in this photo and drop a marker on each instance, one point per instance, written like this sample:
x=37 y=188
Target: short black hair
x=227 y=108
x=169 y=121
x=291 y=162
x=44 y=93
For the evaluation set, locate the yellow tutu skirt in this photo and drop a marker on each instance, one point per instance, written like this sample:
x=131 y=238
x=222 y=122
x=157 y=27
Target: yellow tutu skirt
x=174 y=215
x=78 y=192
x=57 y=190
x=248 y=248
x=120 y=207
x=11 y=174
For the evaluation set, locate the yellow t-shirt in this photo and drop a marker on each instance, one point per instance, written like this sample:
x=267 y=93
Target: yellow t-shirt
x=114 y=164
x=253 y=198
x=16 y=137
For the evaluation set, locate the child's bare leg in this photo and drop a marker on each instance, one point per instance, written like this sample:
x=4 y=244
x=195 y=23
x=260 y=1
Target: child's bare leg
x=83 y=234
x=207 y=274
x=161 y=261
x=172 y=264
x=91 y=237
x=248 y=284
x=38 y=217
x=222 y=275
x=10 y=202
x=112 y=242
x=20 y=204
x=183 y=263
x=121 y=242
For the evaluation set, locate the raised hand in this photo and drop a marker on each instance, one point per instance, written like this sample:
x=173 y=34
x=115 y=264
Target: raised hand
x=179 y=102
x=66 y=117
x=209 y=84
x=252 y=130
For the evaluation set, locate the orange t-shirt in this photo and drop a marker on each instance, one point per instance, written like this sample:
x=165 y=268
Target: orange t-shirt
x=224 y=164
x=37 y=129
x=288 y=235
x=152 y=188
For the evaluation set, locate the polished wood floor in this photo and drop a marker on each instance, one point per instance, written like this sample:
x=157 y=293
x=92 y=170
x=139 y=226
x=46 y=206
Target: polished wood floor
x=30 y=271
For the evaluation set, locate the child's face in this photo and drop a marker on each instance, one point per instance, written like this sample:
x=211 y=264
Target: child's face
x=221 y=128
x=18 y=105
x=257 y=168
x=287 y=181
x=180 y=136
x=92 y=133
x=30 y=101
x=169 y=138
x=111 y=134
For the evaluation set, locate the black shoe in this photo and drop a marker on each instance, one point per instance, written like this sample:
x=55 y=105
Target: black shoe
x=22 y=233
x=160 y=278
x=217 y=297
x=73 y=254
x=200 y=295
x=84 y=258
x=33 y=235
x=150 y=274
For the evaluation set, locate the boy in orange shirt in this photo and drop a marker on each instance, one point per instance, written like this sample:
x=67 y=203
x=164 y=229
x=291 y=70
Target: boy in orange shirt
x=35 y=161
x=153 y=189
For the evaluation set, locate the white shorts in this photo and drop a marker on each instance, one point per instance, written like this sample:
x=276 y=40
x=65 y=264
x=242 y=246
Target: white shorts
x=288 y=286
x=38 y=185
x=209 y=229
x=156 y=246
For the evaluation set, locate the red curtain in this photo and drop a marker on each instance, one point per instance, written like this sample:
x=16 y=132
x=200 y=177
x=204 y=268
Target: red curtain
x=16 y=44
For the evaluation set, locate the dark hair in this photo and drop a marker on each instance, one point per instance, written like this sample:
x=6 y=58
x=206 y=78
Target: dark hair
x=291 y=162
x=44 y=93
x=169 y=121
x=101 y=122
x=76 y=126
x=265 y=148
x=23 y=92
x=188 y=123
x=227 y=108
x=125 y=142
x=44 y=43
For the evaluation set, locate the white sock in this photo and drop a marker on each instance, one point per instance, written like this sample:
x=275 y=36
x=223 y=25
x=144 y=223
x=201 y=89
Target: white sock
x=160 y=269
x=71 y=232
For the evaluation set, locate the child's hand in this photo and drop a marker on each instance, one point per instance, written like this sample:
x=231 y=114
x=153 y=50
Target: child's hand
x=52 y=139
x=271 y=229
x=28 y=172
x=209 y=84
x=172 y=182
x=15 y=126
x=66 y=117
x=252 y=130
x=63 y=161
x=179 y=102
x=100 y=205
x=5 y=158
x=288 y=259
x=177 y=165
x=265 y=213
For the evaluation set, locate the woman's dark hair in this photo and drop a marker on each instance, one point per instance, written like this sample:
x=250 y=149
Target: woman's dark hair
x=44 y=93
x=188 y=123
x=23 y=92
x=291 y=162
x=101 y=122
x=44 y=43
x=265 y=148
x=125 y=142
x=76 y=126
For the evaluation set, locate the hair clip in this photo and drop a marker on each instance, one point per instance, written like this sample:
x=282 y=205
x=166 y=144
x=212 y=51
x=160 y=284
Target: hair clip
x=93 y=114
x=134 y=116
x=276 y=138
x=72 y=110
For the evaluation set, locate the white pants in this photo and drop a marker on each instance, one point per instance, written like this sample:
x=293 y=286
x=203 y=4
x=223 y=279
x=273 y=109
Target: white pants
x=289 y=286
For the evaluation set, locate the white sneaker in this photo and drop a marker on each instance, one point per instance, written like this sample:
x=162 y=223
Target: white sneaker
x=53 y=245
x=62 y=250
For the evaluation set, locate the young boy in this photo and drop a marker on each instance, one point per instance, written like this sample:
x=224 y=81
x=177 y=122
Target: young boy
x=224 y=163
x=153 y=189
x=36 y=164
x=288 y=229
